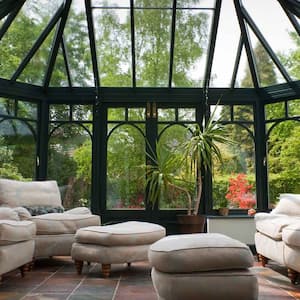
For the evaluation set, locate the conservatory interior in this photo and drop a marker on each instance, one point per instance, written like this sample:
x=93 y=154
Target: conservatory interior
x=105 y=97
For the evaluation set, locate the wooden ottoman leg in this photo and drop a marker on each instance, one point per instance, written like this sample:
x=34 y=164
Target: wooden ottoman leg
x=293 y=275
x=264 y=260
x=105 y=270
x=79 y=266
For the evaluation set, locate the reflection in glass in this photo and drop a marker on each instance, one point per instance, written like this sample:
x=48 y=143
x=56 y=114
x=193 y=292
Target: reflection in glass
x=125 y=168
x=17 y=150
x=283 y=160
x=234 y=179
x=69 y=163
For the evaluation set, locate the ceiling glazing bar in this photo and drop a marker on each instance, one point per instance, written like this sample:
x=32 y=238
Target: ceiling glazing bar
x=132 y=28
x=212 y=44
x=92 y=42
x=56 y=41
x=247 y=43
x=38 y=43
x=10 y=19
x=172 y=43
x=237 y=63
x=266 y=45
x=291 y=17
x=66 y=60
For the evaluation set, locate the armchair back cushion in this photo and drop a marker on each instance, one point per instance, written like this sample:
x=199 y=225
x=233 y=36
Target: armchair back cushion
x=289 y=204
x=15 y=193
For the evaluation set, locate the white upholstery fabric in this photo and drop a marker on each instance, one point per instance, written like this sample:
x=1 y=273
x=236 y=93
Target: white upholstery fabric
x=15 y=255
x=6 y=213
x=16 y=231
x=272 y=225
x=289 y=204
x=291 y=235
x=126 y=233
x=61 y=223
x=188 y=253
x=15 y=193
x=215 y=285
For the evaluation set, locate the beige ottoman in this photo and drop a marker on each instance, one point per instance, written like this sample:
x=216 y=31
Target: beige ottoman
x=113 y=244
x=202 y=266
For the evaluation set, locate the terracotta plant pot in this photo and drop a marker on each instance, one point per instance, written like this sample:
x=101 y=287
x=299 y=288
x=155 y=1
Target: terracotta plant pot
x=191 y=223
x=223 y=211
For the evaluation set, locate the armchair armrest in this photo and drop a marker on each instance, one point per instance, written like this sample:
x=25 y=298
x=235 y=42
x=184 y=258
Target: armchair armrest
x=79 y=211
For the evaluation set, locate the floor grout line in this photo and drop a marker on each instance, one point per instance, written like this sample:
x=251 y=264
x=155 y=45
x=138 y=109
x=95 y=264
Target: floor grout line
x=116 y=288
x=45 y=280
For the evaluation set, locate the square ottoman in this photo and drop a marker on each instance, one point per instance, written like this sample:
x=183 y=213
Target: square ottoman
x=113 y=244
x=202 y=266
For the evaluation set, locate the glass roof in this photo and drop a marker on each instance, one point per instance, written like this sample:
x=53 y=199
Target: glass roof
x=149 y=43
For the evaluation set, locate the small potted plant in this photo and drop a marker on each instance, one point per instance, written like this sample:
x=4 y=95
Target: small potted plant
x=223 y=208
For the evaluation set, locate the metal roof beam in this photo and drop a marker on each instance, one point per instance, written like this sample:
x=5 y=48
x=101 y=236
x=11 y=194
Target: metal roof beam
x=247 y=43
x=56 y=41
x=66 y=60
x=291 y=17
x=132 y=29
x=37 y=43
x=172 y=43
x=212 y=44
x=237 y=62
x=92 y=42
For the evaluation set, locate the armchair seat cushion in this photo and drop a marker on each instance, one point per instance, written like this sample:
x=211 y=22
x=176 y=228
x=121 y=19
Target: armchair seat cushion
x=272 y=225
x=62 y=223
x=291 y=235
x=12 y=232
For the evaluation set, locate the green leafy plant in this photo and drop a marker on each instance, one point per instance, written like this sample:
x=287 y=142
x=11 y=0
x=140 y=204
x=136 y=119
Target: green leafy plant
x=198 y=154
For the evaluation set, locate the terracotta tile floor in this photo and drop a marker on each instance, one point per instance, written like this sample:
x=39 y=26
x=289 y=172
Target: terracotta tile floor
x=55 y=279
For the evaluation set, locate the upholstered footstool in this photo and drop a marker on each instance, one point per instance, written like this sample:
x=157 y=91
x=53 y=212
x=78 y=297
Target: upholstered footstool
x=113 y=244
x=202 y=266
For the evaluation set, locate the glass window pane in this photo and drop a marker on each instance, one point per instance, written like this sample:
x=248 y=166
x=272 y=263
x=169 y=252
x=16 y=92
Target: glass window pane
x=126 y=169
x=27 y=110
x=243 y=113
x=70 y=164
x=294 y=108
x=174 y=197
x=82 y=112
x=116 y=114
x=166 y=114
x=234 y=179
x=113 y=43
x=59 y=112
x=152 y=46
x=191 y=40
x=7 y=106
x=136 y=114
x=275 y=111
x=187 y=114
x=22 y=34
x=17 y=150
x=283 y=160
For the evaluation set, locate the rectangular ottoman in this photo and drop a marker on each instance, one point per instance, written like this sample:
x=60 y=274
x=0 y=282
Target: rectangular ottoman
x=113 y=244
x=202 y=266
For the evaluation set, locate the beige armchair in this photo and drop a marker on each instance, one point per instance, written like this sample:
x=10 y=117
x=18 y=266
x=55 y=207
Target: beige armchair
x=55 y=229
x=277 y=234
x=15 y=235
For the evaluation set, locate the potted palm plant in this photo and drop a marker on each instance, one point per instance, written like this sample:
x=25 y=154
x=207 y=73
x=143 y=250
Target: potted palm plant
x=197 y=156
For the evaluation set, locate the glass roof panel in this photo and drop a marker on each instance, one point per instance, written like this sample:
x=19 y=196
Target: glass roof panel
x=244 y=78
x=110 y=3
x=113 y=43
x=274 y=26
x=152 y=46
x=191 y=46
x=78 y=46
x=196 y=4
x=227 y=41
x=23 y=32
x=35 y=71
x=153 y=3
